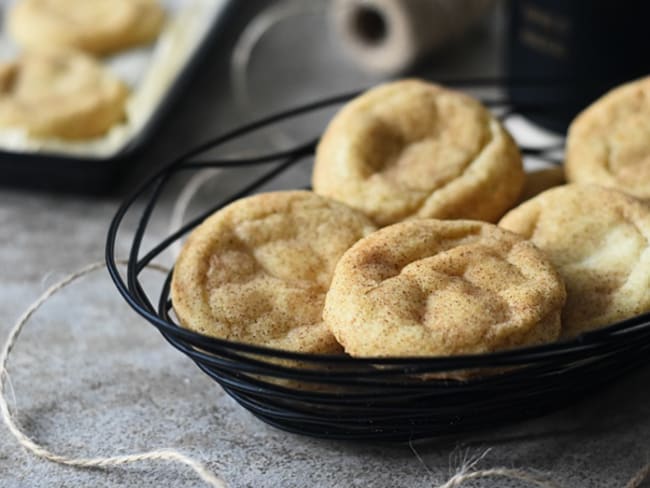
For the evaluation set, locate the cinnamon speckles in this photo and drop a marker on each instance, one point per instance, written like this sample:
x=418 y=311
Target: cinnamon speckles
x=597 y=238
x=257 y=271
x=432 y=287
x=411 y=149
x=609 y=143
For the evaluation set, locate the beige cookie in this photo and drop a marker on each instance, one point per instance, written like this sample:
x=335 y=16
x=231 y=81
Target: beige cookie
x=598 y=240
x=609 y=143
x=257 y=271
x=411 y=149
x=443 y=287
x=60 y=94
x=95 y=26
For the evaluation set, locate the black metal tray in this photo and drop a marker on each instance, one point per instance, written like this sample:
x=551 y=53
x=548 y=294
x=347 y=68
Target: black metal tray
x=97 y=175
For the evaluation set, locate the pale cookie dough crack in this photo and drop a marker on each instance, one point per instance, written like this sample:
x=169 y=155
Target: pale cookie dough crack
x=626 y=218
x=239 y=233
x=425 y=198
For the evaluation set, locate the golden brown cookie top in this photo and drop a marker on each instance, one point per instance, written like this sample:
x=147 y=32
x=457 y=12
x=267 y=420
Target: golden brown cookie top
x=598 y=240
x=57 y=93
x=257 y=271
x=95 y=26
x=609 y=143
x=433 y=287
x=415 y=149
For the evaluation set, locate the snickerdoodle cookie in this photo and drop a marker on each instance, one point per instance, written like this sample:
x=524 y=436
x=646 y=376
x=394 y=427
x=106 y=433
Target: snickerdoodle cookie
x=609 y=143
x=597 y=238
x=414 y=149
x=257 y=271
x=443 y=287
x=95 y=26
x=60 y=94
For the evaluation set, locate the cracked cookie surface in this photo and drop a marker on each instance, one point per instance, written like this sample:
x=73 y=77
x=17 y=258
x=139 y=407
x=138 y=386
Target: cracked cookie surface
x=257 y=271
x=608 y=144
x=597 y=238
x=433 y=287
x=94 y=26
x=411 y=149
x=60 y=94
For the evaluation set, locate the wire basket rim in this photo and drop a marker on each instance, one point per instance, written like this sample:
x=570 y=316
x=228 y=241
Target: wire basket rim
x=584 y=343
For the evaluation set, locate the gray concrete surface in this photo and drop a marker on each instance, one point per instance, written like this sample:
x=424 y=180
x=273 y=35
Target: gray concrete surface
x=92 y=378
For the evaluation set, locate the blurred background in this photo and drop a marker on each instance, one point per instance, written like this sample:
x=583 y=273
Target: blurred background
x=263 y=56
x=269 y=56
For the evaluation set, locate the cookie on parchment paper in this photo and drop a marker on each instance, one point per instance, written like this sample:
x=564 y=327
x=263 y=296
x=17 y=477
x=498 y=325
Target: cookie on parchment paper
x=93 y=26
x=60 y=94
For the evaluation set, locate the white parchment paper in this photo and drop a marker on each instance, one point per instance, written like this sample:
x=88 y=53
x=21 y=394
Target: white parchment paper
x=149 y=71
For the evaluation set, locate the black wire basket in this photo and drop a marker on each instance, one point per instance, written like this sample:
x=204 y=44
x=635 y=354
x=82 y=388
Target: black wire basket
x=392 y=399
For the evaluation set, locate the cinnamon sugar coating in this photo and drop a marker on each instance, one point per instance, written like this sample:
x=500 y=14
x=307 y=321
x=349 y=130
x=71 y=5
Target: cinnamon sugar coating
x=597 y=238
x=257 y=270
x=411 y=149
x=433 y=287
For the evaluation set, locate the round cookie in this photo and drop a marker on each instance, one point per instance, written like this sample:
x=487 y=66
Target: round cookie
x=438 y=288
x=597 y=238
x=411 y=149
x=608 y=144
x=94 y=26
x=60 y=94
x=257 y=271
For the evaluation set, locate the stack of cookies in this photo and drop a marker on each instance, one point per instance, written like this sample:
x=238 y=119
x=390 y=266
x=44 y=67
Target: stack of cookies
x=396 y=252
x=57 y=88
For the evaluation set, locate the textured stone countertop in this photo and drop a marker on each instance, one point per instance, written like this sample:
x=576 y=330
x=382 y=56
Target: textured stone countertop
x=91 y=378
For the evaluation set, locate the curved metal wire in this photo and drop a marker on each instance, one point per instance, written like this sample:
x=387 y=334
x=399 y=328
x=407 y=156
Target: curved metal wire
x=393 y=399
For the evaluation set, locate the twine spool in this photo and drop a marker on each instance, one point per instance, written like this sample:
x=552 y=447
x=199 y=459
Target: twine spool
x=388 y=36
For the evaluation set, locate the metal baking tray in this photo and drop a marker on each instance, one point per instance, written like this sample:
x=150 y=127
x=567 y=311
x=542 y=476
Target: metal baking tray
x=98 y=165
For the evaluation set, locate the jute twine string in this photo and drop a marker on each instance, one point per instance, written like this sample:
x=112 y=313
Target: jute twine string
x=81 y=462
x=465 y=473
x=640 y=476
